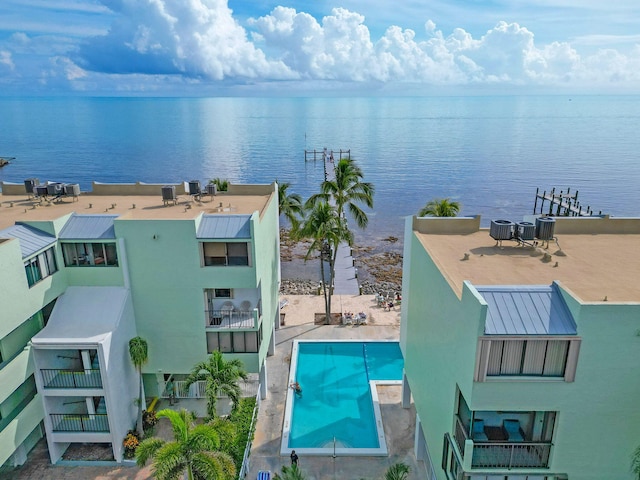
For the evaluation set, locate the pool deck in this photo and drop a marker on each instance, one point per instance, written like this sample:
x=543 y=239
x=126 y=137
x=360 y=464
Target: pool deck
x=399 y=423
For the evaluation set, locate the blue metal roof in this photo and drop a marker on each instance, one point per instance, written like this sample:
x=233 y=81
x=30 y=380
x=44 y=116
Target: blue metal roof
x=526 y=310
x=31 y=239
x=88 y=227
x=224 y=226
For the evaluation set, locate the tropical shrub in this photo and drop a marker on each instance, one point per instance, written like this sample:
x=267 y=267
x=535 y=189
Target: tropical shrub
x=130 y=444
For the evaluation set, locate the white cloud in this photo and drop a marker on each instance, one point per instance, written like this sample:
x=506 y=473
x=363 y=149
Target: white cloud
x=199 y=42
x=6 y=62
x=196 y=38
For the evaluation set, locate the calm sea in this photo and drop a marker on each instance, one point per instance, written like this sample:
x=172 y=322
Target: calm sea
x=488 y=153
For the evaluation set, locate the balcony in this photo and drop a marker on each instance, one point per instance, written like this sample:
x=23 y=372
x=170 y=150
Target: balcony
x=493 y=447
x=79 y=422
x=59 y=378
x=232 y=318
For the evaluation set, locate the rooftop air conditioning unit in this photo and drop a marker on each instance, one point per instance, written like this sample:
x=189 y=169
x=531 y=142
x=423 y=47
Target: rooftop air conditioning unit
x=194 y=187
x=501 y=229
x=212 y=189
x=169 y=193
x=72 y=189
x=54 y=188
x=30 y=183
x=545 y=227
x=41 y=190
x=525 y=231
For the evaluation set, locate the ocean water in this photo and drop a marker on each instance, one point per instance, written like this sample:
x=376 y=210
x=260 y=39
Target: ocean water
x=488 y=153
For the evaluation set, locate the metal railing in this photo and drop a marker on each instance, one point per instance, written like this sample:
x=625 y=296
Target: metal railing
x=460 y=436
x=79 y=422
x=249 y=388
x=511 y=455
x=230 y=318
x=58 y=378
x=244 y=469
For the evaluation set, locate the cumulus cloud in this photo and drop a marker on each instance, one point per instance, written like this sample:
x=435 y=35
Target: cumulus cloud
x=191 y=42
x=195 y=38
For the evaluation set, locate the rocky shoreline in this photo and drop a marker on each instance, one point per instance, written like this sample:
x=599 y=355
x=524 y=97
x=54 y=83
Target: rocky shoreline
x=379 y=267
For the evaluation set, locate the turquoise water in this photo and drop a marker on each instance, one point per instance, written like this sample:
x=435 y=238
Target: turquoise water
x=489 y=153
x=336 y=397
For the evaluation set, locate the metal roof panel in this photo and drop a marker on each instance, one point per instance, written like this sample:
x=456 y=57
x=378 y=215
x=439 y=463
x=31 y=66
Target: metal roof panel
x=526 y=310
x=225 y=226
x=88 y=227
x=32 y=240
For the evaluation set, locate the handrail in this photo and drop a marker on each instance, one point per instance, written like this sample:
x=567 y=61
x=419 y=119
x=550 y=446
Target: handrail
x=62 y=378
x=233 y=319
x=511 y=455
x=79 y=422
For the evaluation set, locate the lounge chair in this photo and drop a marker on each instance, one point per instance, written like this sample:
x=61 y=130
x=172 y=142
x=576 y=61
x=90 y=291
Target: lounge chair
x=477 y=433
x=513 y=431
x=264 y=475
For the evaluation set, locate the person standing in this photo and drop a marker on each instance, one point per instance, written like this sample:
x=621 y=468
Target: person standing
x=294 y=458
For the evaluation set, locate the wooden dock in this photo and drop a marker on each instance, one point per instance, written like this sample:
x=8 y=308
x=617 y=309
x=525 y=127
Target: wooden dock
x=345 y=280
x=325 y=154
x=563 y=204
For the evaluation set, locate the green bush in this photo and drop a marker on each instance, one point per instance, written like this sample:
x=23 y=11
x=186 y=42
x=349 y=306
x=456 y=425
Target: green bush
x=241 y=418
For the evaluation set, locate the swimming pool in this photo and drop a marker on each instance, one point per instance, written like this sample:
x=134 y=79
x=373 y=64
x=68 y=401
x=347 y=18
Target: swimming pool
x=338 y=410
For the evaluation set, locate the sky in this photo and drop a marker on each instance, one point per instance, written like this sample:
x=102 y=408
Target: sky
x=318 y=47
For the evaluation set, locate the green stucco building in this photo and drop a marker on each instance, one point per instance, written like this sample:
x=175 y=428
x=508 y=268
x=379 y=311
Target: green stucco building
x=521 y=346
x=190 y=270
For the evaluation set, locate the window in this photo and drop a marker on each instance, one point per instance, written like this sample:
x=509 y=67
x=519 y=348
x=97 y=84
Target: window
x=540 y=357
x=225 y=254
x=41 y=266
x=90 y=254
x=234 y=342
x=222 y=293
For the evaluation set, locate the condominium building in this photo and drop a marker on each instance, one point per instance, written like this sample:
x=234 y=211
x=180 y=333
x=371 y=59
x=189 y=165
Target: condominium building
x=520 y=345
x=190 y=270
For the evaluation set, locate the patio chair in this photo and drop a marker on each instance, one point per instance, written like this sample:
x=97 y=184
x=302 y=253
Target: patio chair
x=264 y=475
x=477 y=432
x=513 y=430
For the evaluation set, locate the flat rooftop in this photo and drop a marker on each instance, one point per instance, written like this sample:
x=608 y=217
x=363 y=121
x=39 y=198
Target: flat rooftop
x=596 y=259
x=240 y=199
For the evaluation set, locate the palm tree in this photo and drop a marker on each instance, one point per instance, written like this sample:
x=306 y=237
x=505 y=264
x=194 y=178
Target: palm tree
x=635 y=463
x=290 y=473
x=290 y=204
x=326 y=229
x=221 y=376
x=193 y=453
x=397 y=471
x=222 y=185
x=440 y=207
x=347 y=191
x=138 y=351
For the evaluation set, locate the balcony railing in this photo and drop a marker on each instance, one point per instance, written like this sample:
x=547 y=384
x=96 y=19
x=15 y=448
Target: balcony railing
x=231 y=318
x=79 y=422
x=57 y=378
x=492 y=454
x=511 y=455
x=248 y=388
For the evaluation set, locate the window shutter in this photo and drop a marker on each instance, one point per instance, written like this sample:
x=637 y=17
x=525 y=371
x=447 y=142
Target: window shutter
x=572 y=360
x=512 y=357
x=534 y=357
x=556 y=358
x=212 y=249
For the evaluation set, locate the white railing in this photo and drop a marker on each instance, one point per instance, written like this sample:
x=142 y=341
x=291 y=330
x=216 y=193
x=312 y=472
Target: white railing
x=248 y=388
x=244 y=469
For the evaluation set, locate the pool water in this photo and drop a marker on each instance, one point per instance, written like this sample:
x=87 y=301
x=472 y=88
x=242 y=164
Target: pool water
x=336 y=400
